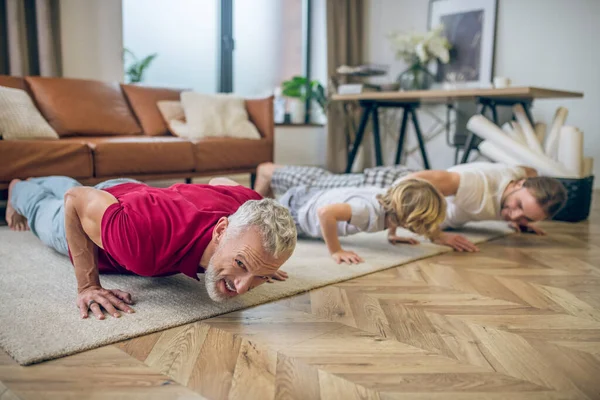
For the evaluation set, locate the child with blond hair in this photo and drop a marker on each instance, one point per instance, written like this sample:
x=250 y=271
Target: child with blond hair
x=414 y=204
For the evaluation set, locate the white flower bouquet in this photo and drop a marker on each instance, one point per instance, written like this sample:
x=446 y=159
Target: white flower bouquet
x=432 y=45
x=418 y=50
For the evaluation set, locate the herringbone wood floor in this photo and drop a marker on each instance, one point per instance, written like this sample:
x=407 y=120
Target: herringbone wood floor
x=520 y=319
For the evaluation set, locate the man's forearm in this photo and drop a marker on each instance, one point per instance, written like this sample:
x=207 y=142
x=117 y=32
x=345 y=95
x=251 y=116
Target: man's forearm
x=84 y=251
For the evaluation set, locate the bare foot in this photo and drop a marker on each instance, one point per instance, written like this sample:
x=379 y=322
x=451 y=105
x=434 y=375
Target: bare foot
x=16 y=221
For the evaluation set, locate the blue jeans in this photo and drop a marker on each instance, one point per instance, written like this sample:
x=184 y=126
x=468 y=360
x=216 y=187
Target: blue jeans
x=41 y=201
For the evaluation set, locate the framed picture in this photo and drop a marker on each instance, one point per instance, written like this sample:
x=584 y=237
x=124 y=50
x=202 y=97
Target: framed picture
x=470 y=26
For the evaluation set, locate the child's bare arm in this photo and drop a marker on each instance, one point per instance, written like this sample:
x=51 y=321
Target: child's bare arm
x=328 y=218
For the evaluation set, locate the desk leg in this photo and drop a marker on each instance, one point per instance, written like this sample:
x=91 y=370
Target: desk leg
x=494 y=113
x=527 y=108
x=415 y=121
x=401 y=137
x=359 y=136
x=376 y=137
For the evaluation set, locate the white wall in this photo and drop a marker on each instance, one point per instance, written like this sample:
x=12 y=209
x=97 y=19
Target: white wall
x=91 y=39
x=300 y=145
x=548 y=43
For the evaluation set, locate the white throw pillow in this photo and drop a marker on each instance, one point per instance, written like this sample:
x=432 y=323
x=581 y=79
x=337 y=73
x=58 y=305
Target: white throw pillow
x=217 y=115
x=180 y=129
x=20 y=119
x=171 y=110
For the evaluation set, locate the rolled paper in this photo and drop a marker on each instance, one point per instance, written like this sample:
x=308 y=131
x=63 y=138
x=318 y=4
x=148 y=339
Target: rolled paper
x=527 y=129
x=540 y=131
x=487 y=130
x=588 y=166
x=517 y=132
x=570 y=149
x=495 y=153
x=551 y=145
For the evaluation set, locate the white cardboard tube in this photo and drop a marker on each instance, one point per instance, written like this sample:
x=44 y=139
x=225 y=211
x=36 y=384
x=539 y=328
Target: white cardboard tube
x=494 y=153
x=540 y=131
x=527 y=129
x=570 y=149
x=551 y=145
x=588 y=166
x=517 y=133
x=486 y=129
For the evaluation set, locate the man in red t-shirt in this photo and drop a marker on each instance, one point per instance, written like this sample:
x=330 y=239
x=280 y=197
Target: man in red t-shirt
x=224 y=230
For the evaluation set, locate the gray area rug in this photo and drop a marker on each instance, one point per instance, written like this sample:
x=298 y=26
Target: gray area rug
x=40 y=321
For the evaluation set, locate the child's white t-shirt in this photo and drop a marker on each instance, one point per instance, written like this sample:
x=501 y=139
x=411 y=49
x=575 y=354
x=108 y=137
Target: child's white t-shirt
x=367 y=214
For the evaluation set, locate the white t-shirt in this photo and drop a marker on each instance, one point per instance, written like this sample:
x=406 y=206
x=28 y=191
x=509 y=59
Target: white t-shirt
x=479 y=193
x=367 y=214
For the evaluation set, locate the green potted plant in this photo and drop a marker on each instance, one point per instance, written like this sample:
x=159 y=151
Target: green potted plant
x=299 y=89
x=135 y=71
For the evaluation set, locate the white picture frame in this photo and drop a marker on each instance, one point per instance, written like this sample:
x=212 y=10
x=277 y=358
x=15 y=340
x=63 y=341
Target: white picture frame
x=472 y=22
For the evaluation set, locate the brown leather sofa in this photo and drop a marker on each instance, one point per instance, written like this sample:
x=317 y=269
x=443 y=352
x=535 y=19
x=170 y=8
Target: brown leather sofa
x=109 y=130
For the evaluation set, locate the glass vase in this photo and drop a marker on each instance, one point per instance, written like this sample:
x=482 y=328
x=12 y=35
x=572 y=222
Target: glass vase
x=417 y=77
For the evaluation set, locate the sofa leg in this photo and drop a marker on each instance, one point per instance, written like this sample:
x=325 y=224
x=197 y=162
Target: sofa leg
x=3 y=200
x=188 y=180
x=252 y=180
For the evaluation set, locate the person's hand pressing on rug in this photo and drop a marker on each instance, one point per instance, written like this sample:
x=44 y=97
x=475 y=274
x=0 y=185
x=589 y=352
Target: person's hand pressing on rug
x=457 y=242
x=94 y=299
x=395 y=239
x=344 y=256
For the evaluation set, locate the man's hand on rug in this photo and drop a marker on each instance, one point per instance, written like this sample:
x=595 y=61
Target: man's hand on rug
x=278 y=276
x=393 y=239
x=96 y=298
x=527 y=229
x=457 y=242
x=349 y=257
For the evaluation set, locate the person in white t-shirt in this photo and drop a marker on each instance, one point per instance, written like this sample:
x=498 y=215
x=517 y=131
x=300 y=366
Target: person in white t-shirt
x=474 y=192
x=486 y=191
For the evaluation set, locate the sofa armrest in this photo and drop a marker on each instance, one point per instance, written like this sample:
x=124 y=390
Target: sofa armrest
x=260 y=113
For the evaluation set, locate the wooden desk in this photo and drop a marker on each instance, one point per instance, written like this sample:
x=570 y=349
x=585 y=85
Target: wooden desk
x=409 y=101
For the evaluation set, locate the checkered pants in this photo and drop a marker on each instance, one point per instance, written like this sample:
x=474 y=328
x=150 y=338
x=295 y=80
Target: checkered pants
x=290 y=176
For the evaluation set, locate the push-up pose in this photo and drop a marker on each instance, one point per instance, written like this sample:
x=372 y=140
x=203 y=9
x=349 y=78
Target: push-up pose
x=414 y=204
x=223 y=230
x=474 y=192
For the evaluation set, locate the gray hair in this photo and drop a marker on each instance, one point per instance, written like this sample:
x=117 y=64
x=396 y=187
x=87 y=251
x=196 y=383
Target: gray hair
x=272 y=219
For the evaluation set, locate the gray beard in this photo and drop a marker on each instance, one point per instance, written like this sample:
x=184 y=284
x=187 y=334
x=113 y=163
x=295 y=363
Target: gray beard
x=211 y=279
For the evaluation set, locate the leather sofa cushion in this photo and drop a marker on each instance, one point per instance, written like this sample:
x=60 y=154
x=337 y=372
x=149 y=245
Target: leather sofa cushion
x=26 y=158
x=83 y=107
x=138 y=155
x=15 y=82
x=143 y=102
x=220 y=154
x=260 y=113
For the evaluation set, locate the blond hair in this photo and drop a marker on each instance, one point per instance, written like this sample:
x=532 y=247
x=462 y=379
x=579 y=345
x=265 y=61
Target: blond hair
x=549 y=193
x=415 y=204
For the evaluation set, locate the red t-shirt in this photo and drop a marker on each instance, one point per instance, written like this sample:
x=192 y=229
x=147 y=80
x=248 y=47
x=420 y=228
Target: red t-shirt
x=157 y=232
